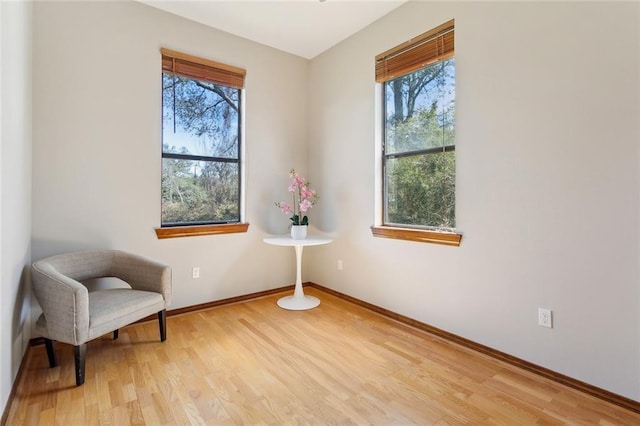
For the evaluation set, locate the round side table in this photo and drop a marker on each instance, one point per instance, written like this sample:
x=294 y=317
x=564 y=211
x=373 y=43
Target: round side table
x=299 y=301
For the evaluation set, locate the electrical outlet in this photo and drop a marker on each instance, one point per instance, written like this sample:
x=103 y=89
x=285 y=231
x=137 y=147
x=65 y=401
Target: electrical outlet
x=545 y=317
x=195 y=273
x=339 y=265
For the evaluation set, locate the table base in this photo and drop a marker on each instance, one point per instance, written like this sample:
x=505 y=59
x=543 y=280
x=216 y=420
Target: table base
x=298 y=303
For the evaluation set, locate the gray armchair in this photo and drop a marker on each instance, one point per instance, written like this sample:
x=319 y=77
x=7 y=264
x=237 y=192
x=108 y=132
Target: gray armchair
x=72 y=314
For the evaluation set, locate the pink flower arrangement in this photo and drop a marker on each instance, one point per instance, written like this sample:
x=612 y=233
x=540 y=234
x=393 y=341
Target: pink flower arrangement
x=303 y=199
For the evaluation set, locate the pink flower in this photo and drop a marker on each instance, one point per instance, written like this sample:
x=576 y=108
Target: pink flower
x=285 y=207
x=305 y=205
x=303 y=199
x=296 y=182
x=307 y=193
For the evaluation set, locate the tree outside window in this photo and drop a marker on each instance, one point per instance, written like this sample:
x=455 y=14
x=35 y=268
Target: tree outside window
x=419 y=147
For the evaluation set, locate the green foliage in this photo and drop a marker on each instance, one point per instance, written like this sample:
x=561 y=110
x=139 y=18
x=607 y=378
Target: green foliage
x=198 y=191
x=421 y=190
x=295 y=220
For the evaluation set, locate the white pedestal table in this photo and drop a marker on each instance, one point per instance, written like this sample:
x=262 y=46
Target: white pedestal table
x=299 y=301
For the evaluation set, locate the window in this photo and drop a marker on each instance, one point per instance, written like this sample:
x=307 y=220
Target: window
x=201 y=141
x=418 y=147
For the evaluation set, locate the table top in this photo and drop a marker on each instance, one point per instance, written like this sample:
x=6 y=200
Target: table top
x=286 y=240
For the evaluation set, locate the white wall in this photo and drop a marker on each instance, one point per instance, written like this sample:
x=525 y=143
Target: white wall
x=97 y=129
x=547 y=183
x=15 y=188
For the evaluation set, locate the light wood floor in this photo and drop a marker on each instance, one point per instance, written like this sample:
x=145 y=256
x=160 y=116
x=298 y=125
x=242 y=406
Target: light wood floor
x=254 y=363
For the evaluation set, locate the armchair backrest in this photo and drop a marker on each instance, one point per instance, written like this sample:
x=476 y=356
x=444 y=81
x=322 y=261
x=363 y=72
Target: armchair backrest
x=82 y=265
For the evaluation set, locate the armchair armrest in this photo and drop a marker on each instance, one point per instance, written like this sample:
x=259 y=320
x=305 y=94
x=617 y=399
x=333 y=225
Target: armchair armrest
x=143 y=274
x=63 y=301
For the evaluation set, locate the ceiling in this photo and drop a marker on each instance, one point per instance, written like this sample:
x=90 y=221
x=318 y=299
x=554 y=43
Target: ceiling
x=302 y=27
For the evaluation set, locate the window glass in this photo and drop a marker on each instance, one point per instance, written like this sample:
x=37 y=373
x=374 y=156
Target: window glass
x=200 y=151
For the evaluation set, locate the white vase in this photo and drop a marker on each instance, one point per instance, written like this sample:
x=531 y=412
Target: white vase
x=298 y=232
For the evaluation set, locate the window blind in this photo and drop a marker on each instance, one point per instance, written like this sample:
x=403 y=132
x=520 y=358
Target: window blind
x=433 y=46
x=202 y=69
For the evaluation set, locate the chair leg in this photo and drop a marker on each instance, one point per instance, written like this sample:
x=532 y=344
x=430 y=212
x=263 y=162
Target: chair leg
x=162 y=322
x=51 y=353
x=80 y=354
x=115 y=334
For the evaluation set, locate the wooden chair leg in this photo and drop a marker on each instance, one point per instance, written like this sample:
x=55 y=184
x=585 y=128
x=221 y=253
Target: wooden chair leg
x=115 y=334
x=80 y=354
x=51 y=353
x=162 y=322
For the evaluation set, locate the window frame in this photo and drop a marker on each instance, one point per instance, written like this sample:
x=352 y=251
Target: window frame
x=419 y=53
x=200 y=69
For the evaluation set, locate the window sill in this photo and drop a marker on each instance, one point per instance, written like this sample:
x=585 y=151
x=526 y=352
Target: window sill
x=194 y=231
x=419 y=235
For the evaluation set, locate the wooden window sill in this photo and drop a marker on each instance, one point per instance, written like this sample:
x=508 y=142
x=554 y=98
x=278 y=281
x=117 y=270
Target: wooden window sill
x=194 y=231
x=419 y=235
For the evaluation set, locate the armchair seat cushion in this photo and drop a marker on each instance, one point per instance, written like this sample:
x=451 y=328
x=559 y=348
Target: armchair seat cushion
x=110 y=309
